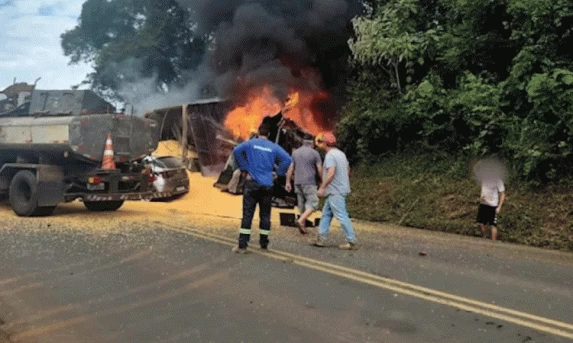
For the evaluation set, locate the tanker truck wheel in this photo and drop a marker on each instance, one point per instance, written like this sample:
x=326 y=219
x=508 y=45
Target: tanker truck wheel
x=102 y=206
x=24 y=196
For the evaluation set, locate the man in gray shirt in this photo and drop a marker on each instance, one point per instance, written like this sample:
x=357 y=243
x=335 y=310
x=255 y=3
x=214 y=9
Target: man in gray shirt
x=335 y=187
x=306 y=166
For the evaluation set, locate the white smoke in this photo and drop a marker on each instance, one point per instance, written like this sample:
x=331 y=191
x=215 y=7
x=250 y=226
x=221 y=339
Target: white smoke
x=145 y=96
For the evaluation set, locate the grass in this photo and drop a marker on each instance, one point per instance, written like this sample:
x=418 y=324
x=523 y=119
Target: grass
x=439 y=193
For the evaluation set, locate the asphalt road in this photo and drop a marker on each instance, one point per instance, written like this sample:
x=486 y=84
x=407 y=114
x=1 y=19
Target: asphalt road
x=167 y=282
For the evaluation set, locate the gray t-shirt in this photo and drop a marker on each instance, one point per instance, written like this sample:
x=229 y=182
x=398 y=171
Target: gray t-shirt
x=305 y=160
x=340 y=185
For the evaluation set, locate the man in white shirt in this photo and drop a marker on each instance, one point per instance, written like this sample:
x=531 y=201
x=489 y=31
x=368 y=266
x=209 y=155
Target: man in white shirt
x=492 y=198
x=335 y=187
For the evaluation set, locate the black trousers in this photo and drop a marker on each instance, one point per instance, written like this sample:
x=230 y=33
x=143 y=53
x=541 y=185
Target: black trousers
x=254 y=194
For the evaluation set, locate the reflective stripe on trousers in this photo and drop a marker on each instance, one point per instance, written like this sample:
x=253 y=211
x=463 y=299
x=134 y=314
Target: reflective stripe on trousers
x=254 y=194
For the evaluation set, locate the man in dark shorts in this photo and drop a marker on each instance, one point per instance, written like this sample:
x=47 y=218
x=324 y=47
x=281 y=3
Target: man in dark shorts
x=256 y=159
x=492 y=198
x=306 y=166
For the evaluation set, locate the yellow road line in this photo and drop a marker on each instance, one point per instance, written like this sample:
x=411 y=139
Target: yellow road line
x=437 y=293
x=513 y=316
x=413 y=287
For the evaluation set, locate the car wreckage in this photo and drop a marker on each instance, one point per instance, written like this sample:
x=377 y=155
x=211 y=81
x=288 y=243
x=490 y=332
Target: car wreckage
x=199 y=127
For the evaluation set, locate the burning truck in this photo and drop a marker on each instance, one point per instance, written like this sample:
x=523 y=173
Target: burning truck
x=286 y=133
x=281 y=61
x=211 y=128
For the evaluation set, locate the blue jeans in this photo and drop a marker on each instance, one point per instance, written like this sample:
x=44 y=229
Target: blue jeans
x=335 y=206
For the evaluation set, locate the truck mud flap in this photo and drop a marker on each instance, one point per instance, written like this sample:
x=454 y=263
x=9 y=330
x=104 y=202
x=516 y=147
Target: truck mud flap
x=126 y=196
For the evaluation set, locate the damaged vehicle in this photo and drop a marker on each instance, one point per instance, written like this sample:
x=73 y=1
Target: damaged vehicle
x=199 y=127
x=169 y=175
x=288 y=135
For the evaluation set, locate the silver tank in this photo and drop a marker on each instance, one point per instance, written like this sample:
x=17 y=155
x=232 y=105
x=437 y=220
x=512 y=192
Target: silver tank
x=67 y=123
x=84 y=136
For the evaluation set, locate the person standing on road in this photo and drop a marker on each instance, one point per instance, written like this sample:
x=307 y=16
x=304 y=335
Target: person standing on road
x=492 y=195
x=256 y=159
x=335 y=187
x=306 y=166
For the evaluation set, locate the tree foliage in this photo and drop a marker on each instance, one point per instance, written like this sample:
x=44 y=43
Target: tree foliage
x=391 y=40
x=473 y=76
x=126 y=40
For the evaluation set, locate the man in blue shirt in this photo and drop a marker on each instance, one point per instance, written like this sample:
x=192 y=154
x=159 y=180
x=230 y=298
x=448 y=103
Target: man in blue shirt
x=257 y=159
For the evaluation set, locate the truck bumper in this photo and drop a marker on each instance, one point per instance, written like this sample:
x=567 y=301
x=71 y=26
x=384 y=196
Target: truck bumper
x=126 y=196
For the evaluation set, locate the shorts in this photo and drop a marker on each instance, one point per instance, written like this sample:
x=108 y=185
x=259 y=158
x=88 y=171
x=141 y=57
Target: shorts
x=486 y=215
x=307 y=196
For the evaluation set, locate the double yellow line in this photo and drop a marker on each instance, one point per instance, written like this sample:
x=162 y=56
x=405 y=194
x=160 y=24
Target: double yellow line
x=524 y=319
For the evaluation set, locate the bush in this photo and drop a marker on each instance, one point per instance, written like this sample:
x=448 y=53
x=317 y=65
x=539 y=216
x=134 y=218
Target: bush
x=541 y=144
x=373 y=124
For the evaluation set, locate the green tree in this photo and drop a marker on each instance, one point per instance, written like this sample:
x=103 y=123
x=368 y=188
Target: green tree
x=392 y=40
x=481 y=77
x=126 y=40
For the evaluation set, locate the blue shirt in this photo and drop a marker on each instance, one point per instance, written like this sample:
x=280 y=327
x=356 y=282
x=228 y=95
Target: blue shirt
x=258 y=157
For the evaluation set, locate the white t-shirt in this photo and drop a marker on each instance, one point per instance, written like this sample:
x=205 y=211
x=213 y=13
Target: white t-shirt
x=490 y=192
x=340 y=185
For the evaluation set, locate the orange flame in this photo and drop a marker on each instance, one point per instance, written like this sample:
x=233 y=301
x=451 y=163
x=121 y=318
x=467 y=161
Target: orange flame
x=245 y=119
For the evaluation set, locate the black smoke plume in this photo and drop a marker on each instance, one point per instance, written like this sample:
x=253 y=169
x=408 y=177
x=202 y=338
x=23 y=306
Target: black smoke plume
x=277 y=43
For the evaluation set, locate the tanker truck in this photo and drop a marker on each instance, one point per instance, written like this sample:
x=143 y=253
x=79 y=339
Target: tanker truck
x=52 y=153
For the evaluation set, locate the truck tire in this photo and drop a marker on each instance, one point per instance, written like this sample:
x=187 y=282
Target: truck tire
x=102 y=206
x=23 y=196
x=44 y=211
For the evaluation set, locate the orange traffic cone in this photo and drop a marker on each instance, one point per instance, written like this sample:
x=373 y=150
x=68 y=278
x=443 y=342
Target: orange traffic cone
x=108 y=161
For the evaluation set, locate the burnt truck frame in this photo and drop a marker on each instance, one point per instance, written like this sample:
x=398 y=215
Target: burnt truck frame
x=53 y=154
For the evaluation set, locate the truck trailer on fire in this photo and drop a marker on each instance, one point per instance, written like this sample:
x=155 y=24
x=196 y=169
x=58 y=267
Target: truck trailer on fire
x=53 y=154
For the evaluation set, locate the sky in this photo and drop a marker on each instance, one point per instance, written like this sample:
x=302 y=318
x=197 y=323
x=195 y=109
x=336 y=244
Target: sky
x=30 y=43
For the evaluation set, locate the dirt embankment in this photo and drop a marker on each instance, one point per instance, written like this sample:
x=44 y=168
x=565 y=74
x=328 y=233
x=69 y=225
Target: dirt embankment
x=4 y=337
x=433 y=201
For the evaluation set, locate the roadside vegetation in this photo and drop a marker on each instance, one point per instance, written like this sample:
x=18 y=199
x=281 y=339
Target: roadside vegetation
x=433 y=192
x=439 y=84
